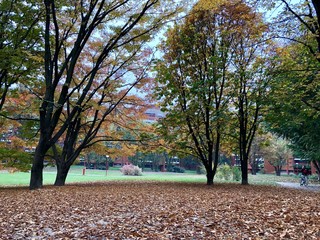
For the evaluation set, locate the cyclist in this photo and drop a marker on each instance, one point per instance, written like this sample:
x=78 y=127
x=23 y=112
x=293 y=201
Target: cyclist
x=304 y=176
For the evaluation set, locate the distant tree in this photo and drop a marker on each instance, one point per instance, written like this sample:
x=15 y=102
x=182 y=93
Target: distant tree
x=195 y=77
x=294 y=107
x=191 y=95
x=295 y=83
x=250 y=82
x=295 y=27
x=277 y=153
x=255 y=158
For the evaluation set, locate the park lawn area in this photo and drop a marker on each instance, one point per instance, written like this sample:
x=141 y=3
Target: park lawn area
x=76 y=175
x=159 y=210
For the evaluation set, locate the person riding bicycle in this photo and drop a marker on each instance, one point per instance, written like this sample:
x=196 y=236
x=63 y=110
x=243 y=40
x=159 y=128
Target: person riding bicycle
x=304 y=176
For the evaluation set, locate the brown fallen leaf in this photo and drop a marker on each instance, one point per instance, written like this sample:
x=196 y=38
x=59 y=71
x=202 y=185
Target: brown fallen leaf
x=147 y=210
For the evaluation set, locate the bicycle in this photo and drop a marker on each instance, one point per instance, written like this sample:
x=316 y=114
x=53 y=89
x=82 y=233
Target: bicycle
x=304 y=181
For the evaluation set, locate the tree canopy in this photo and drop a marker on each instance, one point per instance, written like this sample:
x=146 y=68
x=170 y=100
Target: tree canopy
x=20 y=44
x=206 y=75
x=94 y=55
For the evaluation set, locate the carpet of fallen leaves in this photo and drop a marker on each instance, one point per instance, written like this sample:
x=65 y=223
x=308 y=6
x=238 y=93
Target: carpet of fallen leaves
x=150 y=210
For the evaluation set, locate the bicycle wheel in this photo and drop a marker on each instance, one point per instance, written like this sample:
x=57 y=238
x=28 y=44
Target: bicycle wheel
x=306 y=181
x=301 y=181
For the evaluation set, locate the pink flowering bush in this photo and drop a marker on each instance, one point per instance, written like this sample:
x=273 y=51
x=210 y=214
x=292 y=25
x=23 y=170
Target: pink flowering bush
x=131 y=170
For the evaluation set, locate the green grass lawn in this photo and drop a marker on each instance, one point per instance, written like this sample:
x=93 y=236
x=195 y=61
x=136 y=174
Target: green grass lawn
x=75 y=175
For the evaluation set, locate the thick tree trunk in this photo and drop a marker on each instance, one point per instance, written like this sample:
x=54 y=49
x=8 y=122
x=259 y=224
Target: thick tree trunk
x=210 y=176
x=244 y=170
x=62 y=173
x=36 y=180
x=244 y=175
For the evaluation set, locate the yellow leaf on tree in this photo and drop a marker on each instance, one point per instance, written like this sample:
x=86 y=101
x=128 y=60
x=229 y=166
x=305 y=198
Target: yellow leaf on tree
x=209 y=5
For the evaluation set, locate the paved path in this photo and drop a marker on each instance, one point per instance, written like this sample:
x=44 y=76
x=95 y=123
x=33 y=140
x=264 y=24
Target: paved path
x=311 y=187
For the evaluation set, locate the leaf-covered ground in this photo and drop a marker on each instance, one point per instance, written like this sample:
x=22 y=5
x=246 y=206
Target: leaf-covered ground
x=146 y=210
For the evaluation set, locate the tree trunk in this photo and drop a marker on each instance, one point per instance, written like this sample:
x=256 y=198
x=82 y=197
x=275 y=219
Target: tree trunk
x=216 y=152
x=254 y=168
x=210 y=177
x=244 y=170
x=317 y=166
x=278 y=171
x=244 y=175
x=62 y=173
x=36 y=179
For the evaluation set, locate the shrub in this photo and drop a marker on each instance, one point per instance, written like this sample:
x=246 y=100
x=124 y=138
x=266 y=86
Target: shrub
x=176 y=169
x=314 y=178
x=179 y=169
x=131 y=170
x=224 y=172
x=236 y=173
